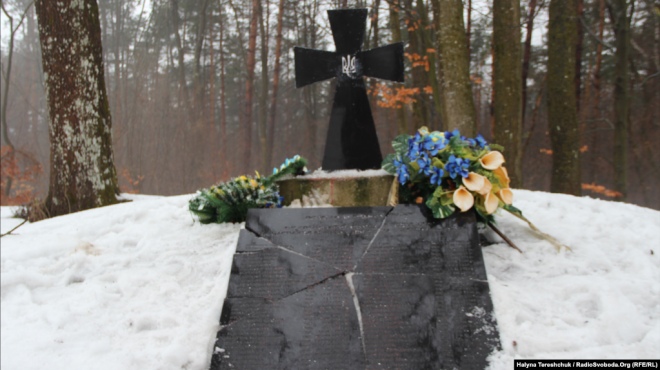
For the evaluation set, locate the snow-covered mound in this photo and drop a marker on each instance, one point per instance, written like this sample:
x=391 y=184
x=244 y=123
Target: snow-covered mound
x=140 y=285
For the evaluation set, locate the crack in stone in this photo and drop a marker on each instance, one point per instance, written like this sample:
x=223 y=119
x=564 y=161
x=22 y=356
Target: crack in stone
x=248 y=228
x=356 y=302
x=348 y=275
x=304 y=256
x=286 y=250
x=373 y=239
x=313 y=285
x=272 y=301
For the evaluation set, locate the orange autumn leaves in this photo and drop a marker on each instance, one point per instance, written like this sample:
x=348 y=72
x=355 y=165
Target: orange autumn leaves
x=399 y=96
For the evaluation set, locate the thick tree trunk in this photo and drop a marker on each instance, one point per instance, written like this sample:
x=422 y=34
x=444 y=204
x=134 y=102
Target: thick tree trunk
x=458 y=107
x=621 y=21
x=508 y=84
x=562 y=106
x=82 y=173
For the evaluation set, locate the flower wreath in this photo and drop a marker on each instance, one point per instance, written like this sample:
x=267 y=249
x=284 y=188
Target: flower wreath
x=448 y=171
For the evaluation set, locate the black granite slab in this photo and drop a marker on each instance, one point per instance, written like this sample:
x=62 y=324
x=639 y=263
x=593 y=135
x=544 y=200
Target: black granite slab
x=357 y=288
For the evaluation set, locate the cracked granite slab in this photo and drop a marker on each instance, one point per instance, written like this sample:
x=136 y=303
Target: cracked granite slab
x=356 y=288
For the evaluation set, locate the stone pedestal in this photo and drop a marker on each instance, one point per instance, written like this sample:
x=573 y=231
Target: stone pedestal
x=339 y=190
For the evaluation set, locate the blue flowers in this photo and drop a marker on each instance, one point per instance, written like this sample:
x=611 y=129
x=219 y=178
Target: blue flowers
x=450 y=134
x=431 y=157
x=433 y=143
x=415 y=146
x=481 y=142
x=449 y=172
x=424 y=163
x=401 y=171
x=436 y=176
x=457 y=166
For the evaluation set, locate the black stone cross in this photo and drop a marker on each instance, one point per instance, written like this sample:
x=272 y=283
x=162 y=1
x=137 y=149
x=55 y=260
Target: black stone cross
x=351 y=141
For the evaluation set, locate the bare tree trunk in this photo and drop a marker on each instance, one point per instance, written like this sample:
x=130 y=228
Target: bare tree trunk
x=578 y=55
x=621 y=22
x=82 y=174
x=595 y=104
x=508 y=84
x=395 y=27
x=468 y=31
x=428 y=35
x=183 y=88
x=223 y=96
x=200 y=33
x=374 y=22
x=212 y=73
x=599 y=53
x=458 y=105
x=263 y=94
x=417 y=51
x=562 y=106
x=116 y=35
x=249 y=84
x=5 y=94
x=239 y=30
x=276 y=82
x=527 y=54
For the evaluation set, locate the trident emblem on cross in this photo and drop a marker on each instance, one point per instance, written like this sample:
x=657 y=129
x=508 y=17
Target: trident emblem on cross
x=348 y=66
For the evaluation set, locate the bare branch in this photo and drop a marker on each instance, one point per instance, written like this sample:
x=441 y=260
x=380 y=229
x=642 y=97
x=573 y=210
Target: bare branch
x=19 y=225
x=595 y=37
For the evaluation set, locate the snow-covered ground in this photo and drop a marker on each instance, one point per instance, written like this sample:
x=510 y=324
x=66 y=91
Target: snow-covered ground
x=140 y=285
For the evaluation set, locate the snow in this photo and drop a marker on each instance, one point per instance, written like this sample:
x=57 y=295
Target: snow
x=140 y=285
x=134 y=286
x=343 y=174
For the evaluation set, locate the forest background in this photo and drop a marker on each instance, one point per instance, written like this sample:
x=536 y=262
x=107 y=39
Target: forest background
x=203 y=90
